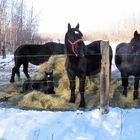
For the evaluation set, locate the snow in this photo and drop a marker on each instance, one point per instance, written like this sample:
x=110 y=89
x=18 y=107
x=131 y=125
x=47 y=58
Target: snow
x=7 y=60
x=17 y=124
x=118 y=124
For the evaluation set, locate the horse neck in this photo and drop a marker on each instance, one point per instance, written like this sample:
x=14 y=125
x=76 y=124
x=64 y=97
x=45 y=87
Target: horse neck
x=67 y=51
x=75 y=60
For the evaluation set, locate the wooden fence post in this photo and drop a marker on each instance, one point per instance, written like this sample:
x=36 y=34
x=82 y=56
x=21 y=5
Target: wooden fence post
x=104 y=78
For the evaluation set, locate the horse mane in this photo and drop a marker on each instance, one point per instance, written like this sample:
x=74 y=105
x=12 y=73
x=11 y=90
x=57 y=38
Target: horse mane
x=135 y=43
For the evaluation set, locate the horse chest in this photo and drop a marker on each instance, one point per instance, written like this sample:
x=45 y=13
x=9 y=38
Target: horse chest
x=77 y=65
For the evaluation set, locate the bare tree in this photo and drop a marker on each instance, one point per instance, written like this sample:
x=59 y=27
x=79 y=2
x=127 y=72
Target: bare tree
x=17 y=23
x=3 y=21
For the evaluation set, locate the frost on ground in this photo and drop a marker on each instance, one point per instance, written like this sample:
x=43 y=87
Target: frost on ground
x=118 y=124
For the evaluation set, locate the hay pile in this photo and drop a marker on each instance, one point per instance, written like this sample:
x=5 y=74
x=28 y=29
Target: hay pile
x=60 y=101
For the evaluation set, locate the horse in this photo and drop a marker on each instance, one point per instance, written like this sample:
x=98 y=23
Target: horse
x=127 y=60
x=45 y=85
x=81 y=61
x=35 y=54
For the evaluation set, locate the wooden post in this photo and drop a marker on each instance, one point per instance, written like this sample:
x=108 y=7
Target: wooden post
x=104 y=77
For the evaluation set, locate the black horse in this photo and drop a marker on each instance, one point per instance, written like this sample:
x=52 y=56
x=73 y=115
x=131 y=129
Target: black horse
x=45 y=85
x=35 y=54
x=81 y=60
x=127 y=59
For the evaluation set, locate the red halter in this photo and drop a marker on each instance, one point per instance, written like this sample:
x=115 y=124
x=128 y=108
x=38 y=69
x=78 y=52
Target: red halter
x=73 y=44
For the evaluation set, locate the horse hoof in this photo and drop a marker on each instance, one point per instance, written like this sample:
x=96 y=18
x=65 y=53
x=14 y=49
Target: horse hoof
x=135 y=95
x=135 y=98
x=11 y=81
x=125 y=93
x=53 y=92
x=82 y=105
x=72 y=99
x=21 y=92
x=82 y=108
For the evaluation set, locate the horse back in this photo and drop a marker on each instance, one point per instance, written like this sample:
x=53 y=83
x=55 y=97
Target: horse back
x=94 y=57
x=33 y=53
x=122 y=47
x=123 y=51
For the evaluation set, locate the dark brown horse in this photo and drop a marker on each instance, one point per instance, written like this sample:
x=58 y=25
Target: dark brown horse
x=81 y=60
x=35 y=54
x=127 y=59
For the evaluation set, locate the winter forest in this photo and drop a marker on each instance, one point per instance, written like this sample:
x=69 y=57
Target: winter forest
x=18 y=24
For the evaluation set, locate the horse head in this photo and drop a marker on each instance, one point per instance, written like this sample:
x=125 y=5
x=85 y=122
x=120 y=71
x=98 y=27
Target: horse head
x=74 y=42
x=135 y=41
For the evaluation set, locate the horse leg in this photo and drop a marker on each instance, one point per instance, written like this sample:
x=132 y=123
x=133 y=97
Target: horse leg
x=13 y=75
x=18 y=74
x=72 y=88
x=25 y=70
x=14 y=71
x=136 y=85
x=124 y=84
x=81 y=90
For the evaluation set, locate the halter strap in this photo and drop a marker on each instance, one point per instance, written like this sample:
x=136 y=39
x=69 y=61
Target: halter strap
x=73 y=44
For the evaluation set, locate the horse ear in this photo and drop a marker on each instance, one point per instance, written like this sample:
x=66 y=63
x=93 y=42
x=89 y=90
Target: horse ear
x=69 y=26
x=135 y=34
x=77 y=26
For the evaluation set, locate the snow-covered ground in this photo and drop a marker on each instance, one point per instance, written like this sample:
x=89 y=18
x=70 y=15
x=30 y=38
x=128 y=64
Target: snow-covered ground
x=6 y=66
x=16 y=124
x=5 y=69
x=118 y=124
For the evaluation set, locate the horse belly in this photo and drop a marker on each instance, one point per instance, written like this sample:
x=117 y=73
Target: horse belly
x=125 y=64
x=93 y=68
x=38 y=60
x=127 y=68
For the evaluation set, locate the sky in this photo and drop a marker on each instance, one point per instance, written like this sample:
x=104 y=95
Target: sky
x=93 y=15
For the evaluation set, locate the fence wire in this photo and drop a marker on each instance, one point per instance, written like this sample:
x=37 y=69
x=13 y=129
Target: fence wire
x=48 y=55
